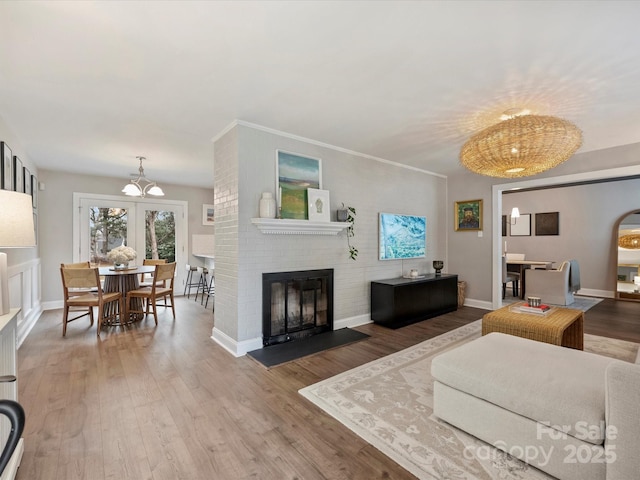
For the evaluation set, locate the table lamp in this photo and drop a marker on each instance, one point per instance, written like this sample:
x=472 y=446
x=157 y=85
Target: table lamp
x=16 y=230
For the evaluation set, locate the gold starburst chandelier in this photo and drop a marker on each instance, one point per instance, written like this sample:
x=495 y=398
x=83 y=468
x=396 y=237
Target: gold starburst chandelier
x=631 y=241
x=520 y=146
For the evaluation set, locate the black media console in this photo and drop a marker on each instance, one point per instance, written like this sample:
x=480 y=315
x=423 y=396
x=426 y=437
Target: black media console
x=401 y=301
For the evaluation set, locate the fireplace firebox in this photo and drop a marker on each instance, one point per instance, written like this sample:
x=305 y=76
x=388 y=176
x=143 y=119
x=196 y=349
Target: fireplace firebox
x=296 y=305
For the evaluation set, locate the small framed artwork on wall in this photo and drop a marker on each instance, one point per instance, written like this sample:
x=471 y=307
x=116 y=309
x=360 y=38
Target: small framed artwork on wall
x=522 y=226
x=207 y=214
x=468 y=215
x=318 y=205
x=548 y=223
x=34 y=191
x=7 y=166
x=26 y=174
x=18 y=175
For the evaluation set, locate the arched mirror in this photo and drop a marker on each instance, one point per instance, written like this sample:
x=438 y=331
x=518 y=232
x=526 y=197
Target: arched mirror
x=628 y=270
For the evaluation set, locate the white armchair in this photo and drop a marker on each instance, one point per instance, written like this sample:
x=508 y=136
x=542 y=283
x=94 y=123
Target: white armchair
x=554 y=286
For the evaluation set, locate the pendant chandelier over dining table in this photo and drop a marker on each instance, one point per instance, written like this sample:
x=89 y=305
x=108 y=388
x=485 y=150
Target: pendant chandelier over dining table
x=521 y=145
x=135 y=188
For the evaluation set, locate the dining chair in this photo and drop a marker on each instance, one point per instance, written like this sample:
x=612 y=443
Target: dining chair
x=82 y=290
x=150 y=295
x=509 y=277
x=146 y=279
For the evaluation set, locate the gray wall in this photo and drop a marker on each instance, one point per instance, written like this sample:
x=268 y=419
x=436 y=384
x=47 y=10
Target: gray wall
x=471 y=257
x=369 y=186
x=56 y=215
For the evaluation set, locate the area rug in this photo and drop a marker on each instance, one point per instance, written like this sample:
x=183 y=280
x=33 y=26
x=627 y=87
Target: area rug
x=389 y=403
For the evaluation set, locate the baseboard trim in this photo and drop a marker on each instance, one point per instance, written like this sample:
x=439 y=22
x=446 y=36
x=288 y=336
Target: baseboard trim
x=352 y=321
x=470 y=302
x=235 y=348
x=592 y=292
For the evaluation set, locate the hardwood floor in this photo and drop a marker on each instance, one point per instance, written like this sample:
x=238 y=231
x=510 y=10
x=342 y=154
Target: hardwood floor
x=167 y=402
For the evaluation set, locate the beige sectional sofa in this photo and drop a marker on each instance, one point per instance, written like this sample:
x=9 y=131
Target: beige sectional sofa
x=572 y=414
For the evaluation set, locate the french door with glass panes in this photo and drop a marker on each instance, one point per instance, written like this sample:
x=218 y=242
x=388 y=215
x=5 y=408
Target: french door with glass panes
x=153 y=228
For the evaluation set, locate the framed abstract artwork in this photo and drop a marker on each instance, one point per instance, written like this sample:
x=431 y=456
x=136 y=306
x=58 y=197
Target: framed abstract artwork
x=548 y=223
x=294 y=175
x=6 y=158
x=468 y=215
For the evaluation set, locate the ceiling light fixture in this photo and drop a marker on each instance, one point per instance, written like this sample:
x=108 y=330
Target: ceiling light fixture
x=521 y=145
x=136 y=189
x=630 y=241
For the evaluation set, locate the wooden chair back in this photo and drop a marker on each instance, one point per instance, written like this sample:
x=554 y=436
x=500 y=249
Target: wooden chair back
x=150 y=261
x=76 y=265
x=80 y=278
x=165 y=273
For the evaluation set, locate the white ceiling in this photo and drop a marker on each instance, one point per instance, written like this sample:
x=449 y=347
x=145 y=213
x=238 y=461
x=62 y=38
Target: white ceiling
x=88 y=86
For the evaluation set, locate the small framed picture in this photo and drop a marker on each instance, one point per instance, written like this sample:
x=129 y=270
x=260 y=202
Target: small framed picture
x=548 y=223
x=35 y=226
x=468 y=215
x=522 y=226
x=18 y=175
x=26 y=174
x=34 y=191
x=318 y=205
x=207 y=214
x=7 y=166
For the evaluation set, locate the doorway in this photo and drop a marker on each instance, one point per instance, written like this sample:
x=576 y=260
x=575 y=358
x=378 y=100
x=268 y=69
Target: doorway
x=153 y=228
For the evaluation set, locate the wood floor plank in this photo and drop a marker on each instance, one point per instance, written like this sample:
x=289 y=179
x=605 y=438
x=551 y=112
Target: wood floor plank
x=166 y=402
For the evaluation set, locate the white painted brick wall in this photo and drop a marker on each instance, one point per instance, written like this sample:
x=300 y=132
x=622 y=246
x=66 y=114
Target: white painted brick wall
x=368 y=185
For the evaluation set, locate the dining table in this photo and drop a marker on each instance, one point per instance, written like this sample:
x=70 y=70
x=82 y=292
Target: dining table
x=519 y=266
x=123 y=280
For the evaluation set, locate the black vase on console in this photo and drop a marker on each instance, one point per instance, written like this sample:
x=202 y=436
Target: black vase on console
x=438 y=265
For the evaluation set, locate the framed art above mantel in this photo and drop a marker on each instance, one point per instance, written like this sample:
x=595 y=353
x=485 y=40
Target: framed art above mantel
x=294 y=175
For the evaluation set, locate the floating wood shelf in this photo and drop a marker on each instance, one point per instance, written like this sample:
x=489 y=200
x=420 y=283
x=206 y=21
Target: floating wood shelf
x=279 y=226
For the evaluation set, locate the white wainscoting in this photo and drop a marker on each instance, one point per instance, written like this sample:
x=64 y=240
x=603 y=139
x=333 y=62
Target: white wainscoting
x=24 y=292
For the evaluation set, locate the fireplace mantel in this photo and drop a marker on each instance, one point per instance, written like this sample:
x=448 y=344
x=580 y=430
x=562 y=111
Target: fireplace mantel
x=279 y=226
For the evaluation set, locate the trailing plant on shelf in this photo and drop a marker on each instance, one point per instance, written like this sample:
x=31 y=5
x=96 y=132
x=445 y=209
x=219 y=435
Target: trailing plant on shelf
x=351 y=219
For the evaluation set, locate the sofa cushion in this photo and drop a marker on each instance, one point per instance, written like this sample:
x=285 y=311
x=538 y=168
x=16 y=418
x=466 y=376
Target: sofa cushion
x=558 y=386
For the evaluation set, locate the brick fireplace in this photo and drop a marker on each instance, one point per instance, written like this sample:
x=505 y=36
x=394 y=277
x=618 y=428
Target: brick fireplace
x=296 y=305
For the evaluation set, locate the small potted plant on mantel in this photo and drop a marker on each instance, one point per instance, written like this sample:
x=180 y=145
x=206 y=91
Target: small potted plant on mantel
x=348 y=214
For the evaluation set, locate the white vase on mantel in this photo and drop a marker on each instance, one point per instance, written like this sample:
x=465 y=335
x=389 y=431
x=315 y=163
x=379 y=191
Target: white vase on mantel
x=267 y=206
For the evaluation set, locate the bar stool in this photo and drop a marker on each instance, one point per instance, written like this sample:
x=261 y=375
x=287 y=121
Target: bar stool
x=210 y=292
x=203 y=284
x=190 y=282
